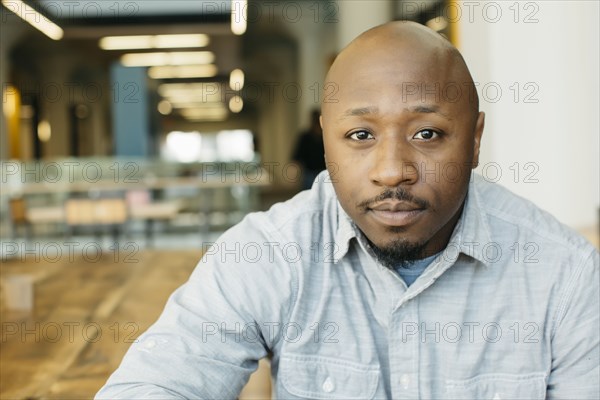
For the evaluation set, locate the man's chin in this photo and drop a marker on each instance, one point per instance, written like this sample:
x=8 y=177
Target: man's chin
x=399 y=253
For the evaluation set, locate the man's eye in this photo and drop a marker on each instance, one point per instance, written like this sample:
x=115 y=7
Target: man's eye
x=426 y=134
x=361 y=135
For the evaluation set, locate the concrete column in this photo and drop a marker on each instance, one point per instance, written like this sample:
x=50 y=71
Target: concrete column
x=316 y=34
x=130 y=114
x=54 y=106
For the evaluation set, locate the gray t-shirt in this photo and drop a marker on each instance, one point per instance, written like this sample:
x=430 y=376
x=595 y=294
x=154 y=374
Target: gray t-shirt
x=411 y=273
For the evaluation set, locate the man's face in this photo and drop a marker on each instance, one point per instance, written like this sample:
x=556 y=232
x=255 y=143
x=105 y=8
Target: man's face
x=399 y=150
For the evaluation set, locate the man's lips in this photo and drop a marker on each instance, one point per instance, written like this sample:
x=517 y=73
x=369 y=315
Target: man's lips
x=395 y=213
x=395 y=206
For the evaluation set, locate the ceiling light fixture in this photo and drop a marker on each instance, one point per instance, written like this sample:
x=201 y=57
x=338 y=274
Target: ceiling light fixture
x=182 y=71
x=236 y=79
x=203 y=92
x=236 y=104
x=194 y=103
x=153 y=42
x=164 y=107
x=204 y=113
x=167 y=58
x=44 y=130
x=239 y=15
x=34 y=18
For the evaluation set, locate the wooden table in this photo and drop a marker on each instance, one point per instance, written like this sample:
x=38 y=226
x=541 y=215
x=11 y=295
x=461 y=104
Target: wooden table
x=85 y=316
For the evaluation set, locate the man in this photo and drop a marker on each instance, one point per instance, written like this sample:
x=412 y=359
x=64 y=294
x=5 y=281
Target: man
x=398 y=275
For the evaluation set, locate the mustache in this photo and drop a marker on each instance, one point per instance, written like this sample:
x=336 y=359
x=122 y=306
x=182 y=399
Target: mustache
x=399 y=194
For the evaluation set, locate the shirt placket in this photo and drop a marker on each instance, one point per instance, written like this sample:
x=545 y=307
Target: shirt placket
x=407 y=333
x=404 y=351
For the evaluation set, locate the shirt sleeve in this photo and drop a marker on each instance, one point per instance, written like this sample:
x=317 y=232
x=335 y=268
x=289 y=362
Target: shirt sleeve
x=575 y=370
x=214 y=328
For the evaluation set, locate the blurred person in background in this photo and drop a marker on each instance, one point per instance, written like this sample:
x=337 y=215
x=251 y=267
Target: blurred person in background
x=309 y=151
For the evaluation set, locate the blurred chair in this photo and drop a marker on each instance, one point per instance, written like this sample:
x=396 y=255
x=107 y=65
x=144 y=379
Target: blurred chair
x=79 y=212
x=142 y=208
x=18 y=216
x=45 y=215
x=30 y=216
x=108 y=212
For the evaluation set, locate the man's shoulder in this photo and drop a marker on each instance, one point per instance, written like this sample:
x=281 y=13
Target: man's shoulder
x=512 y=217
x=307 y=214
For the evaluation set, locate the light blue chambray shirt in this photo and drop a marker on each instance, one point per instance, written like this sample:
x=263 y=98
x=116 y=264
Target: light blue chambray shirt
x=509 y=310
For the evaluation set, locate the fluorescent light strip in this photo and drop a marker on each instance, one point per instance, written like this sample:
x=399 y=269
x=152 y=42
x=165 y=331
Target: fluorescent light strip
x=202 y=90
x=198 y=114
x=182 y=71
x=167 y=58
x=185 y=100
x=239 y=13
x=125 y=42
x=174 y=41
x=153 y=42
x=34 y=18
x=195 y=104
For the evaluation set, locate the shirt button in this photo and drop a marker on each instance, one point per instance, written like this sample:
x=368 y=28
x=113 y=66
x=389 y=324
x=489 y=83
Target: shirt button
x=150 y=344
x=404 y=381
x=328 y=385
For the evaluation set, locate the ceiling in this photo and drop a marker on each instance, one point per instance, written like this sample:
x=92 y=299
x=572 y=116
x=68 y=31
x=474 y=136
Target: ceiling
x=94 y=19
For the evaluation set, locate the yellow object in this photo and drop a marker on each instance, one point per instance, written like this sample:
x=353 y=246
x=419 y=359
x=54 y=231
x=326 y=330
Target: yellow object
x=12 y=111
x=453 y=28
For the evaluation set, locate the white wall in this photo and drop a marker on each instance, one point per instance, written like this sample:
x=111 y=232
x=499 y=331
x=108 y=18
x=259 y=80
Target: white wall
x=556 y=53
x=357 y=16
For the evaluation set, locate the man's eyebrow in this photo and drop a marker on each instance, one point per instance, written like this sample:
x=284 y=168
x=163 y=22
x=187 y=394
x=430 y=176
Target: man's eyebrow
x=423 y=109
x=357 y=112
x=428 y=109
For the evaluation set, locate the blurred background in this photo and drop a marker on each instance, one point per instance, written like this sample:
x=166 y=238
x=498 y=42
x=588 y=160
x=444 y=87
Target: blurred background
x=133 y=133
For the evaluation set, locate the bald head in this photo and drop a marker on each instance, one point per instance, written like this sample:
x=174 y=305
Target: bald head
x=403 y=30
x=426 y=56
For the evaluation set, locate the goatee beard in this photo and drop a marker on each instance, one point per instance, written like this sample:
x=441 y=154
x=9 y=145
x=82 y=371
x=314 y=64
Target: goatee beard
x=399 y=253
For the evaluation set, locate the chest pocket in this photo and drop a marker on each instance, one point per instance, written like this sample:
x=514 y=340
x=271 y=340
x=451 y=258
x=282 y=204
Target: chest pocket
x=498 y=387
x=314 y=377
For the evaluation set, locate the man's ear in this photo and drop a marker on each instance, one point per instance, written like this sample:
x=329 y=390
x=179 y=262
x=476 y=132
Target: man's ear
x=321 y=123
x=479 y=125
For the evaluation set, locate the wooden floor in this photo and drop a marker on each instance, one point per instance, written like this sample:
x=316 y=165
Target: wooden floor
x=86 y=314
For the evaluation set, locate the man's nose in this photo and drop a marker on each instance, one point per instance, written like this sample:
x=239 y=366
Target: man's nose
x=394 y=164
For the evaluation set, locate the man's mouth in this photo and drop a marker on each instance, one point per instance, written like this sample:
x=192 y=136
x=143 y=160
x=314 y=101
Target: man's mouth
x=395 y=213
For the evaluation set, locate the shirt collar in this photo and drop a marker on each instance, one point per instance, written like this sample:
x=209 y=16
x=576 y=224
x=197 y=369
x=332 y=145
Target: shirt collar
x=472 y=232
x=346 y=231
x=470 y=235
